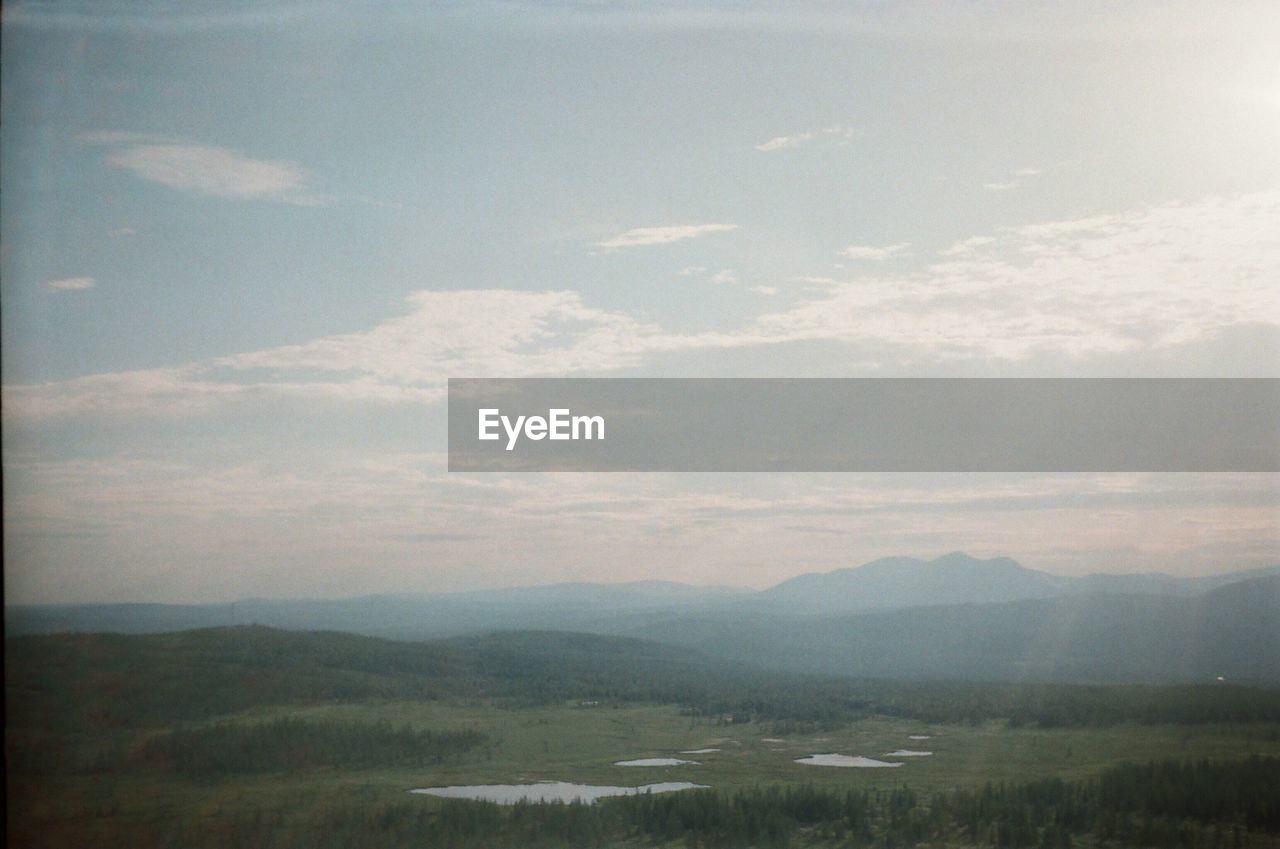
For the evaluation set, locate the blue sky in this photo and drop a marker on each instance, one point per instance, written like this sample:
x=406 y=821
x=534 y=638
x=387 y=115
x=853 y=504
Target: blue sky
x=244 y=249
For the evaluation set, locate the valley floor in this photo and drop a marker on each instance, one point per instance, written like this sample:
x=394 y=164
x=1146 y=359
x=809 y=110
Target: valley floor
x=576 y=743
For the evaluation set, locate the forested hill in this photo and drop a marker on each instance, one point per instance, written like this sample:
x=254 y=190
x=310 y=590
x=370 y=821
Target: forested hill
x=102 y=681
x=1231 y=632
x=116 y=679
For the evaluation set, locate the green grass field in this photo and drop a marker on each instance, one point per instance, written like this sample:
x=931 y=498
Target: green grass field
x=573 y=743
x=252 y=737
x=580 y=743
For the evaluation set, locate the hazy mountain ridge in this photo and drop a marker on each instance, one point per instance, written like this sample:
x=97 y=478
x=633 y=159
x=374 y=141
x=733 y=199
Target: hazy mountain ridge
x=886 y=584
x=955 y=616
x=1231 y=632
x=899 y=582
x=572 y=606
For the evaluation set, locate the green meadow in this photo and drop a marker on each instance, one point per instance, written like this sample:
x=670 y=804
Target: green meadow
x=576 y=743
x=315 y=740
x=580 y=744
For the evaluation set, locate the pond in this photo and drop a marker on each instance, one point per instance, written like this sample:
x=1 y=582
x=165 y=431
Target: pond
x=832 y=759
x=548 y=791
x=655 y=762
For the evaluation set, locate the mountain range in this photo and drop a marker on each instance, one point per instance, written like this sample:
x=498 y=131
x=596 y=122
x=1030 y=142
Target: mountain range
x=952 y=617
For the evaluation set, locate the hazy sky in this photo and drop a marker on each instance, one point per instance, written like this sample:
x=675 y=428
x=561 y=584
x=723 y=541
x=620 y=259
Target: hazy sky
x=243 y=250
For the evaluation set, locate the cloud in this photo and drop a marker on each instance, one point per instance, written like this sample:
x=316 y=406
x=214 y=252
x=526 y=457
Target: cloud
x=72 y=284
x=644 y=236
x=765 y=290
x=118 y=137
x=838 y=135
x=1020 y=176
x=966 y=247
x=844 y=134
x=193 y=390
x=216 y=171
x=405 y=359
x=1140 y=280
x=348 y=508
x=1135 y=282
x=783 y=142
x=873 y=253
x=478 y=332
x=723 y=276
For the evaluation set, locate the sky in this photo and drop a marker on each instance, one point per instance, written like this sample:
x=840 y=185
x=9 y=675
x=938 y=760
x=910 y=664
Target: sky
x=244 y=247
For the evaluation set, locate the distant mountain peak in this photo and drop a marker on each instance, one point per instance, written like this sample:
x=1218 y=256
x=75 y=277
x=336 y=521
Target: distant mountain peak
x=892 y=582
x=951 y=558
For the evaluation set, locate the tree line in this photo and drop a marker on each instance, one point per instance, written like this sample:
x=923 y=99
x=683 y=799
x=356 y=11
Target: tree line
x=290 y=744
x=103 y=683
x=1197 y=805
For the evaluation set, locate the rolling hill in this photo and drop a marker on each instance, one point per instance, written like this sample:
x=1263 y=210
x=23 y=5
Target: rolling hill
x=882 y=585
x=952 y=617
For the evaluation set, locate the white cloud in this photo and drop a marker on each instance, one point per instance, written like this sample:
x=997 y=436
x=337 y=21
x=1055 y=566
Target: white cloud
x=643 y=236
x=965 y=247
x=1019 y=178
x=844 y=134
x=493 y=332
x=172 y=390
x=72 y=284
x=497 y=333
x=1141 y=280
x=1144 y=280
x=117 y=137
x=838 y=135
x=723 y=276
x=765 y=290
x=783 y=142
x=216 y=171
x=874 y=253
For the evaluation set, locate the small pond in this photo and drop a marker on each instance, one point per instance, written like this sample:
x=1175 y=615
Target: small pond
x=832 y=759
x=548 y=791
